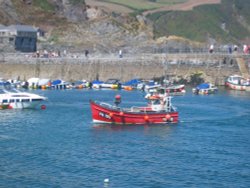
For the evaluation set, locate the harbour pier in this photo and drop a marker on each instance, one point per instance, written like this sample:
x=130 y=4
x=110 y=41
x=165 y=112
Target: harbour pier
x=214 y=67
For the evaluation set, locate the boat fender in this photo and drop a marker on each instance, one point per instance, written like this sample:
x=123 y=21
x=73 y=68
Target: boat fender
x=168 y=117
x=43 y=107
x=111 y=115
x=121 y=113
x=146 y=118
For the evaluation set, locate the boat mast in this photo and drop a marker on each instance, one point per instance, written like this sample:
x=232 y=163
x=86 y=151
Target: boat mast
x=168 y=103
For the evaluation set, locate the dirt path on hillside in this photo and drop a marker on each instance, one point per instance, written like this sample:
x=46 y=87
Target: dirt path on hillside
x=109 y=6
x=189 y=5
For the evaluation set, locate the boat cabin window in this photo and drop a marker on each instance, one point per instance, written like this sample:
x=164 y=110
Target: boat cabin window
x=157 y=101
x=25 y=100
x=20 y=95
x=5 y=100
x=12 y=100
x=36 y=99
x=161 y=91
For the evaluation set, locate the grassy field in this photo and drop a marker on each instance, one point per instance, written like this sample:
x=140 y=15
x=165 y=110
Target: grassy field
x=145 y=4
x=45 y=5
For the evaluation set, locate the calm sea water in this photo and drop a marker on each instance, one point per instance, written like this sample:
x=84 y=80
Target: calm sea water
x=61 y=147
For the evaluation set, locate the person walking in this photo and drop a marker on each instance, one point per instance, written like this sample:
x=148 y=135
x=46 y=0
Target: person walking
x=211 y=49
x=120 y=53
x=86 y=53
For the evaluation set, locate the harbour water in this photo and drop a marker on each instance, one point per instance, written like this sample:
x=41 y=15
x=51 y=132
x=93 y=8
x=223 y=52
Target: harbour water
x=61 y=147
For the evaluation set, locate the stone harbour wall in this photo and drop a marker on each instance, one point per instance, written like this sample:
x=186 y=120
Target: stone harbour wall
x=214 y=70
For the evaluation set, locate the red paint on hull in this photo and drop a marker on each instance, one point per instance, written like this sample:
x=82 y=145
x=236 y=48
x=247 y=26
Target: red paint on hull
x=111 y=114
x=237 y=86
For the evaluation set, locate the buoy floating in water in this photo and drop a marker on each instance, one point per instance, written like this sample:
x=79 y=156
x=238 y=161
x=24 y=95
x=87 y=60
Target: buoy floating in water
x=106 y=180
x=43 y=107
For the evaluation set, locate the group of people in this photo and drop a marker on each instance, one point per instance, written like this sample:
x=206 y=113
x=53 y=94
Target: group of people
x=47 y=54
x=231 y=49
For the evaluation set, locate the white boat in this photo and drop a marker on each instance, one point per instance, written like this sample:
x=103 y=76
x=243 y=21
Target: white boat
x=237 y=82
x=14 y=99
x=112 y=84
x=38 y=83
x=205 y=89
x=60 y=84
x=148 y=85
x=171 y=90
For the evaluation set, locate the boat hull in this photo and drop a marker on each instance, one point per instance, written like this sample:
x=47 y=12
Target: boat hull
x=4 y=106
x=205 y=91
x=114 y=115
x=174 y=90
x=24 y=105
x=238 y=86
x=21 y=100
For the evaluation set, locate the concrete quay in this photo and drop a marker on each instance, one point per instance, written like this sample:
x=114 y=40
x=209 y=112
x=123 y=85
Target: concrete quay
x=214 y=67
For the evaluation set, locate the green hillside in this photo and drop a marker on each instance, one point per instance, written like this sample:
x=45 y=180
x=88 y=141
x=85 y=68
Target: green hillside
x=227 y=22
x=140 y=5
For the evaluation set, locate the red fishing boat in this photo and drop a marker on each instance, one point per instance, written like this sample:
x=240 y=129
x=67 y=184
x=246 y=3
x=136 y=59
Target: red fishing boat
x=158 y=111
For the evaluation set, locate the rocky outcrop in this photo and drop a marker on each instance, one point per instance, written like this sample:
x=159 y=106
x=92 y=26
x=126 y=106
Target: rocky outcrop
x=77 y=27
x=7 y=12
x=94 y=13
x=74 y=12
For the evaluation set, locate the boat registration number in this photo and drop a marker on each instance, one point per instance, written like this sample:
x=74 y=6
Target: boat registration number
x=102 y=114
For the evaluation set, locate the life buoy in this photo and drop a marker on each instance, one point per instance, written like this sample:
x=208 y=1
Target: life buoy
x=154 y=97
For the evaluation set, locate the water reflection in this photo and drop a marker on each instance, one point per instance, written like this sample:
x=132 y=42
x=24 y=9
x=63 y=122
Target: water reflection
x=116 y=127
x=149 y=129
x=235 y=93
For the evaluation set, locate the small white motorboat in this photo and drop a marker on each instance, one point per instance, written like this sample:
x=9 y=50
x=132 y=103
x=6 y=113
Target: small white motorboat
x=12 y=98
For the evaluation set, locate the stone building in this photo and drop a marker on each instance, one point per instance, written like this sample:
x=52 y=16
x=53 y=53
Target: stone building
x=21 y=38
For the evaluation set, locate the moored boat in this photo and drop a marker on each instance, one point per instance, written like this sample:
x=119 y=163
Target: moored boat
x=112 y=84
x=147 y=85
x=237 y=82
x=205 y=89
x=171 y=90
x=11 y=98
x=158 y=111
x=60 y=84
